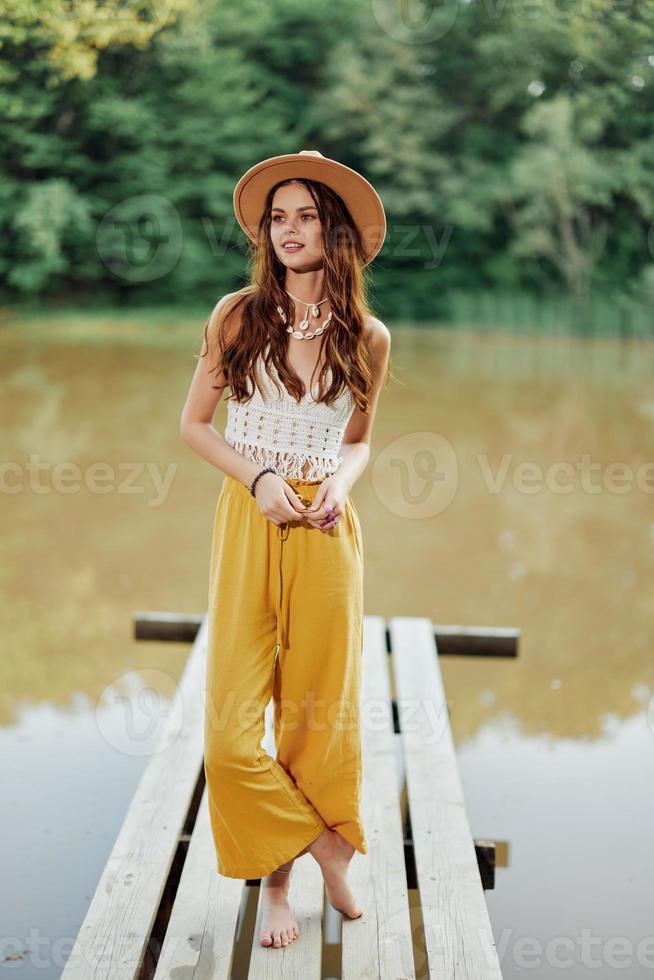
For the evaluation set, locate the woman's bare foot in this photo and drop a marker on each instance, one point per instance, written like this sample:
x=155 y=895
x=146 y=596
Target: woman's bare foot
x=333 y=853
x=278 y=925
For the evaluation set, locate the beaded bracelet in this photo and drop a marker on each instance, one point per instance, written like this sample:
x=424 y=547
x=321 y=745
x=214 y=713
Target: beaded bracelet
x=268 y=469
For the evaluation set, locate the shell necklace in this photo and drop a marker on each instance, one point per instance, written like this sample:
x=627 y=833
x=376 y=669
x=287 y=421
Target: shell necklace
x=301 y=334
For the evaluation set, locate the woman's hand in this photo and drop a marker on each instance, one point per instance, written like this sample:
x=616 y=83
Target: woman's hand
x=328 y=505
x=278 y=501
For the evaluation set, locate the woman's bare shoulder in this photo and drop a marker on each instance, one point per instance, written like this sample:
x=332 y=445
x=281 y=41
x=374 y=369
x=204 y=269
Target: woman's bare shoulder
x=230 y=301
x=221 y=318
x=377 y=333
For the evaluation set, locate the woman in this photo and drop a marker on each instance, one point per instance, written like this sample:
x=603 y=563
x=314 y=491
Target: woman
x=286 y=575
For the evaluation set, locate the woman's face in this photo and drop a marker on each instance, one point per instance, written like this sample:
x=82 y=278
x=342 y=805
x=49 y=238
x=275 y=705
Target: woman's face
x=294 y=219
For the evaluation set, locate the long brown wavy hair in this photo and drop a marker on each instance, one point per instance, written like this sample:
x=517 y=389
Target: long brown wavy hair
x=243 y=326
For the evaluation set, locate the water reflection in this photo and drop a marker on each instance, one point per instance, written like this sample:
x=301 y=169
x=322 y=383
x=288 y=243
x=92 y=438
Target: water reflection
x=536 y=512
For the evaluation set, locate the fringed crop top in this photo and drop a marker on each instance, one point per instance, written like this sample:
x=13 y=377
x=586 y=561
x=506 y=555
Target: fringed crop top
x=301 y=440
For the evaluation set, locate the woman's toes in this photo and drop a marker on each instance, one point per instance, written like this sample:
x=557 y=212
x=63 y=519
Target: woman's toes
x=272 y=932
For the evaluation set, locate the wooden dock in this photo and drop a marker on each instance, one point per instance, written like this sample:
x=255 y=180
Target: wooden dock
x=161 y=910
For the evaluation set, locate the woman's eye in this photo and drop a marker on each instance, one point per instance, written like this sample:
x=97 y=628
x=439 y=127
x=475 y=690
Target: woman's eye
x=278 y=217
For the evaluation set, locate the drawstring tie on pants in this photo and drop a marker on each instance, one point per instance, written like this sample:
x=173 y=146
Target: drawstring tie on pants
x=282 y=533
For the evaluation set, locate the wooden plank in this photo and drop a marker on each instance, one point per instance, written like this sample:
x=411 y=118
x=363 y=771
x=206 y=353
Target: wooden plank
x=458 y=937
x=486 y=861
x=486 y=851
x=379 y=943
x=477 y=641
x=470 y=641
x=301 y=959
x=114 y=935
x=200 y=936
x=172 y=627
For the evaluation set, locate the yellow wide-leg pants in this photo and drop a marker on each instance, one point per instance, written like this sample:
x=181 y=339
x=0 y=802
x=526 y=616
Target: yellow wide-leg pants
x=285 y=621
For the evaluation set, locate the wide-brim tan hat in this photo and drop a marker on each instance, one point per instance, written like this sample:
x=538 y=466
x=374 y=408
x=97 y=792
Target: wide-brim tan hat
x=362 y=200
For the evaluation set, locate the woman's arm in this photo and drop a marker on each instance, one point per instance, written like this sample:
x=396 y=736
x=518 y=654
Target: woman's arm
x=196 y=422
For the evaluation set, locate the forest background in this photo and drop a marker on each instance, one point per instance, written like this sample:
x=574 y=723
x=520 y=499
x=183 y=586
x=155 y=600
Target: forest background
x=511 y=142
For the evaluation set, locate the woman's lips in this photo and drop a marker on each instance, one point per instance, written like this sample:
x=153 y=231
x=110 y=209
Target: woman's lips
x=292 y=248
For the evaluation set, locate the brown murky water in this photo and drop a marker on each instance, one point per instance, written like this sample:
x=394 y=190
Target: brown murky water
x=511 y=484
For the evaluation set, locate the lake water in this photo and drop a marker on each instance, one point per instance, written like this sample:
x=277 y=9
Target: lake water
x=511 y=484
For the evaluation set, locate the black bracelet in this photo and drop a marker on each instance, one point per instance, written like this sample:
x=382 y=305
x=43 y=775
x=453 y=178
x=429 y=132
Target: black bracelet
x=268 y=469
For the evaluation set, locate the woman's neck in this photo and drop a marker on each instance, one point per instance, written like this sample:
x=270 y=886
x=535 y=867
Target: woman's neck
x=305 y=286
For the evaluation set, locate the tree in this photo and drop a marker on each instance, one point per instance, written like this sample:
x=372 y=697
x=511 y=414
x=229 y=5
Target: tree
x=74 y=32
x=562 y=185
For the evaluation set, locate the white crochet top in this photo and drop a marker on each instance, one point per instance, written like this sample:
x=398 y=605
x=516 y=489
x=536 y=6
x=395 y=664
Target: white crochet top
x=301 y=440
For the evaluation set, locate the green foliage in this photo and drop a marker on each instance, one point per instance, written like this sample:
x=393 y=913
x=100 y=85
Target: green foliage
x=52 y=220
x=72 y=33
x=563 y=185
x=511 y=143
